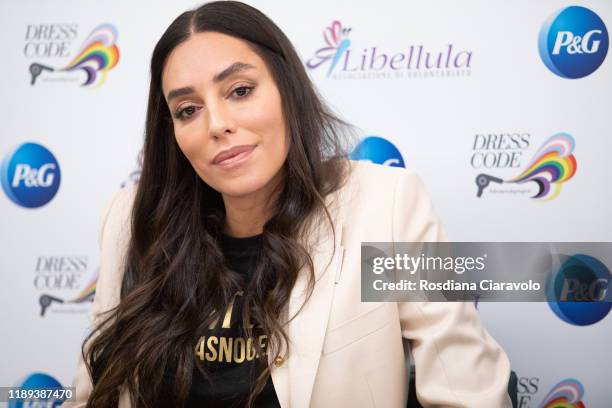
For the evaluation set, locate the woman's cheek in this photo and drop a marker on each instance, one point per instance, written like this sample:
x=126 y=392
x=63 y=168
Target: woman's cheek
x=263 y=114
x=185 y=143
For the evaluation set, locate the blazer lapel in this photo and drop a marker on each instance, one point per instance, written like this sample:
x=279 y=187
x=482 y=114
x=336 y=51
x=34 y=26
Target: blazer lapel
x=308 y=327
x=294 y=377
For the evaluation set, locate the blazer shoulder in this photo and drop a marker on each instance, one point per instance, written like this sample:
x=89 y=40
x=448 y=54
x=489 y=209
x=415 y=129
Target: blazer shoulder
x=365 y=171
x=368 y=179
x=391 y=197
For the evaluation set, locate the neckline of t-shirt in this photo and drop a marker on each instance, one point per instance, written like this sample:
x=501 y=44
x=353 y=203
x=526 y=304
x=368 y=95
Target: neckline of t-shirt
x=241 y=242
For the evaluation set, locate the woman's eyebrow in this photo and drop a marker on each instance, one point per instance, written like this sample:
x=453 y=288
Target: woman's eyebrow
x=175 y=93
x=231 y=70
x=235 y=68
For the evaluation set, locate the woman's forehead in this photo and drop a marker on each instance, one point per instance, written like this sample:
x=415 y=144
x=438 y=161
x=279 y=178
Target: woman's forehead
x=205 y=55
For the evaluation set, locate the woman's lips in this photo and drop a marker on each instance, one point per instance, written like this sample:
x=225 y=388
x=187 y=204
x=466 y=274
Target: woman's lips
x=233 y=157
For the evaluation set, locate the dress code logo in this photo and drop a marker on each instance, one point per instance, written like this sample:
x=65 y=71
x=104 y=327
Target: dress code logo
x=542 y=178
x=573 y=42
x=49 y=40
x=54 y=276
x=566 y=394
x=527 y=388
x=97 y=54
x=30 y=175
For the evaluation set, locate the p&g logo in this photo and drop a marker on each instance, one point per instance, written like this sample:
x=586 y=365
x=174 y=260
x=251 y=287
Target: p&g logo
x=573 y=42
x=578 y=292
x=30 y=175
x=35 y=383
x=379 y=151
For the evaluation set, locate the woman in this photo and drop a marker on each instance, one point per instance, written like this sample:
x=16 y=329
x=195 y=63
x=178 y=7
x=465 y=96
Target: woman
x=230 y=274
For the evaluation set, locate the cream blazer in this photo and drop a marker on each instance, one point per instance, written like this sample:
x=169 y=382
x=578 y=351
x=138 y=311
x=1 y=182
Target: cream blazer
x=345 y=353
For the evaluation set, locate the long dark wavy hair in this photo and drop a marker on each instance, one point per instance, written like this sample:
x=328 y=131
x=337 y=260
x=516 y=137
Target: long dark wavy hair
x=176 y=281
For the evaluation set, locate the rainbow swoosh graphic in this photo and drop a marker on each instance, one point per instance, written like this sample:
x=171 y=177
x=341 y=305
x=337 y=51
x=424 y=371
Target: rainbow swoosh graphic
x=97 y=55
x=88 y=291
x=337 y=42
x=553 y=164
x=567 y=394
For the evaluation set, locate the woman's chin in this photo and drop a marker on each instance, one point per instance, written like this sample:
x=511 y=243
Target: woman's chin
x=241 y=188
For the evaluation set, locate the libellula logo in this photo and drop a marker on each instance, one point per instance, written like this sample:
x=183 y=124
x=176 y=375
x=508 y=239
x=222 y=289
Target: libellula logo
x=573 y=42
x=379 y=151
x=97 y=55
x=578 y=292
x=38 y=381
x=566 y=394
x=417 y=61
x=30 y=175
x=551 y=166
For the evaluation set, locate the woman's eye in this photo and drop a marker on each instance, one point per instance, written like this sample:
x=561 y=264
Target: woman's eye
x=243 y=91
x=186 y=113
x=189 y=111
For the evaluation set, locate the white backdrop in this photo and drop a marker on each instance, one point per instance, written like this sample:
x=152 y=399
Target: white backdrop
x=432 y=116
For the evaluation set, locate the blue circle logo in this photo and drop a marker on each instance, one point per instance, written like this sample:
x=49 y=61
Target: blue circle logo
x=38 y=381
x=573 y=42
x=30 y=175
x=578 y=292
x=378 y=150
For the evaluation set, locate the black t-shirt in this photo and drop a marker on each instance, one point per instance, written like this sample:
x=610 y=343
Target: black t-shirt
x=228 y=357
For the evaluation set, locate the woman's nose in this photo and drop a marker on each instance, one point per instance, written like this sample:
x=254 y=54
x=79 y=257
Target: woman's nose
x=220 y=121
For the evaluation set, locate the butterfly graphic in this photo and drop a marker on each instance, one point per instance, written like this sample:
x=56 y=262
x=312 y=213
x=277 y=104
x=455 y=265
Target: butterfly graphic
x=337 y=42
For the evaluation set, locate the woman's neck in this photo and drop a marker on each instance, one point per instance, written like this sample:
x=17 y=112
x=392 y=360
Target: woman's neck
x=245 y=216
x=244 y=219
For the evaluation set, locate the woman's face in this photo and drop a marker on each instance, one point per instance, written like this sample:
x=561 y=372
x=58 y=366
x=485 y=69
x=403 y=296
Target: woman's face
x=227 y=114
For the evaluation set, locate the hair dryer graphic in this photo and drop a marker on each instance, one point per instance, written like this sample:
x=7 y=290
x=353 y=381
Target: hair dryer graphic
x=36 y=69
x=45 y=301
x=483 y=180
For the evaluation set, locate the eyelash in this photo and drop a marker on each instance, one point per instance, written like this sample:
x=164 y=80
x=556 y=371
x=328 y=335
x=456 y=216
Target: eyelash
x=179 y=114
